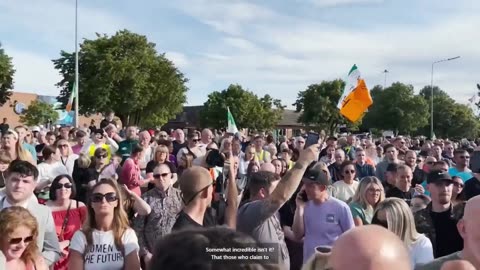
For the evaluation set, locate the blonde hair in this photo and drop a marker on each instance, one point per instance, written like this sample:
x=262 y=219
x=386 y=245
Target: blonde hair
x=84 y=161
x=400 y=219
x=13 y=217
x=161 y=149
x=22 y=154
x=120 y=219
x=360 y=195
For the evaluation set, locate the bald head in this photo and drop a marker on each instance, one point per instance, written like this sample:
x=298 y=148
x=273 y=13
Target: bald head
x=468 y=229
x=267 y=167
x=193 y=180
x=369 y=248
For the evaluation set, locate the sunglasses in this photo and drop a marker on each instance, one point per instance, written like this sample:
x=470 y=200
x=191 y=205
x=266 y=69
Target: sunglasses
x=349 y=172
x=198 y=192
x=16 y=241
x=109 y=197
x=429 y=162
x=101 y=156
x=458 y=185
x=163 y=175
x=195 y=140
x=66 y=185
x=376 y=221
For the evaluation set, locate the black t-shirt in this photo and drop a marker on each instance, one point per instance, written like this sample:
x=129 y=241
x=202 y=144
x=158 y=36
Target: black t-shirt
x=472 y=188
x=105 y=123
x=184 y=221
x=418 y=176
x=4 y=128
x=177 y=146
x=397 y=193
x=448 y=240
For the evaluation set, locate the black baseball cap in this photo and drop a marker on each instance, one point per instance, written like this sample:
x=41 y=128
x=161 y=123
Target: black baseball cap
x=438 y=176
x=392 y=167
x=317 y=176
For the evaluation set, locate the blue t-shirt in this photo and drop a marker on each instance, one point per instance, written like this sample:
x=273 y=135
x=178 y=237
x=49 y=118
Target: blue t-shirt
x=463 y=175
x=30 y=148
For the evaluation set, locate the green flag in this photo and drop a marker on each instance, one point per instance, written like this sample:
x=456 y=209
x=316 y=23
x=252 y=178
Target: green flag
x=232 y=127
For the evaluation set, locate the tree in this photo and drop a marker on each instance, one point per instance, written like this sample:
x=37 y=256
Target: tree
x=450 y=119
x=125 y=74
x=318 y=107
x=39 y=113
x=397 y=108
x=248 y=109
x=6 y=76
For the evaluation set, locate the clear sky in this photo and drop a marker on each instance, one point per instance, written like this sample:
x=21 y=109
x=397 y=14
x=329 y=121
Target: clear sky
x=277 y=47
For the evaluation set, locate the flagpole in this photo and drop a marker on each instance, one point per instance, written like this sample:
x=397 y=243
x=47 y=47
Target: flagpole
x=77 y=122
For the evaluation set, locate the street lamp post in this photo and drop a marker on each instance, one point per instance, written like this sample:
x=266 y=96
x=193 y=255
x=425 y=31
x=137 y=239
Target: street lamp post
x=431 y=92
x=77 y=120
x=385 y=79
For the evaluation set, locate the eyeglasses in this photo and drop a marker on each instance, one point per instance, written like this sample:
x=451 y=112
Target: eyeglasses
x=109 y=197
x=163 y=175
x=63 y=146
x=376 y=221
x=198 y=192
x=16 y=241
x=458 y=185
x=101 y=156
x=349 y=172
x=66 y=185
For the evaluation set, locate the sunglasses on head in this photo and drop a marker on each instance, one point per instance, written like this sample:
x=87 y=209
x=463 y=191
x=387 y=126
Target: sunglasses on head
x=18 y=240
x=349 y=172
x=109 y=197
x=158 y=175
x=198 y=192
x=66 y=185
x=101 y=156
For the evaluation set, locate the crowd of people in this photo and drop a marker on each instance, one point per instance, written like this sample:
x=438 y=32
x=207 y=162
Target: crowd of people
x=113 y=198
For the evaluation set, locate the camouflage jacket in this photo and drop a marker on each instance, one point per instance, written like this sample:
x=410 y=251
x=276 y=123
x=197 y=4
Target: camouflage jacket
x=424 y=222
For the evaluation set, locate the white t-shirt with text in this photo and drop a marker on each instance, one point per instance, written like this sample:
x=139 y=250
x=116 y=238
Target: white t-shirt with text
x=103 y=254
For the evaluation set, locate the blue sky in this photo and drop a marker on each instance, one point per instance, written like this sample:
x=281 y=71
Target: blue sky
x=275 y=47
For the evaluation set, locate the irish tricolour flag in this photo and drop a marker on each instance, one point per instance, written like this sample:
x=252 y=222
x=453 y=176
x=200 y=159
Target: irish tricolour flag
x=232 y=127
x=356 y=97
x=69 y=106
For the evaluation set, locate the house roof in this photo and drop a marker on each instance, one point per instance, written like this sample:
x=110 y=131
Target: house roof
x=290 y=119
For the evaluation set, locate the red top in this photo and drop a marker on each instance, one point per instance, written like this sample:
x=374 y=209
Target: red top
x=131 y=176
x=75 y=221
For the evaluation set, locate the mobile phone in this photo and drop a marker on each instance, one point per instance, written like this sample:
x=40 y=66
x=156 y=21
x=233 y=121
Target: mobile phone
x=303 y=195
x=475 y=162
x=312 y=139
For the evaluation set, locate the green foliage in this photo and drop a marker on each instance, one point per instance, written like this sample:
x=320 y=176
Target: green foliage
x=6 y=76
x=125 y=74
x=318 y=107
x=248 y=109
x=38 y=113
x=450 y=119
x=397 y=108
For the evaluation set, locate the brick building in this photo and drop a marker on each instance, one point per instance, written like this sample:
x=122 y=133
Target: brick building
x=19 y=101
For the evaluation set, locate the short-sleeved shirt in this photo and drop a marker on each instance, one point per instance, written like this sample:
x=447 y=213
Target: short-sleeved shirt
x=103 y=254
x=344 y=191
x=184 y=221
x=31 y=149
x=364 y=214
x=437 y=264
x=465 y=176
x=254 y=220
x=324 y=223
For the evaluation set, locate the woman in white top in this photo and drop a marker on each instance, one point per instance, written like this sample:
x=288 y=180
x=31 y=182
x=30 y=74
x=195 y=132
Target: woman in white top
x=50 y=168
x=346 y=188
x=395 y=215
x=245 y=160
x=106 y=241
x=67 y=157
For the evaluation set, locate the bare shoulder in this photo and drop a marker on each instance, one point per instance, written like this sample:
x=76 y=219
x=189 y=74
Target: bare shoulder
x=78 y=203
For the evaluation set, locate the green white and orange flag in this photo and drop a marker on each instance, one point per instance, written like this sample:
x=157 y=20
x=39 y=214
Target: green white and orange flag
x=69 y=106
x=232 y=127
x=356 y=97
